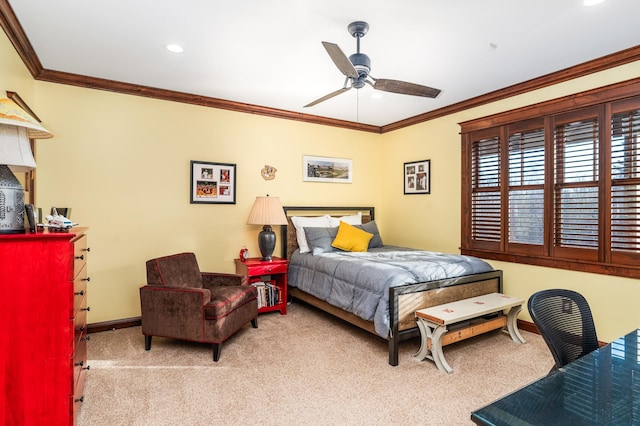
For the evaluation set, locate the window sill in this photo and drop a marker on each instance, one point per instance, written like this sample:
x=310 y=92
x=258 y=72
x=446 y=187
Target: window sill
x=570 y=264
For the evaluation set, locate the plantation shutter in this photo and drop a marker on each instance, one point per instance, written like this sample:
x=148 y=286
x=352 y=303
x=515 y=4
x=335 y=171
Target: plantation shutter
x=576 y=194
x=556 y=185
x=526 y=189
x=485 y=196
x=625 y=186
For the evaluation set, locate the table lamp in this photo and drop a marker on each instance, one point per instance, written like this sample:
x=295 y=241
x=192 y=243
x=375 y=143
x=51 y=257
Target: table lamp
x=267 y=211
x=16 y=128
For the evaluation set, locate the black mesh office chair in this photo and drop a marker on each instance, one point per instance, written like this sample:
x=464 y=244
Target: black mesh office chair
x=564 y=319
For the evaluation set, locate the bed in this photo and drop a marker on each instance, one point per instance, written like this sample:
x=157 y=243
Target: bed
x=400 y=295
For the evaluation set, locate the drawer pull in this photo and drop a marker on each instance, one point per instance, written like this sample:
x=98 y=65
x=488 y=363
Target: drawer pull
x=79 y=364
x=79 y=293
x=86 y=338
x=81 y=399
x=80 y=328
x=88 y=308
x=87 y=249
x=87 y=367
x=81 y=257
x=87 y=279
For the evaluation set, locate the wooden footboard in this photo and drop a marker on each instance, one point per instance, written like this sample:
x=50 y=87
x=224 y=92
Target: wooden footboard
x=405 y=300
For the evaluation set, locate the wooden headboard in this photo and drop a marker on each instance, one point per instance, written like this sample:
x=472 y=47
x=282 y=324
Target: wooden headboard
x=288 y=238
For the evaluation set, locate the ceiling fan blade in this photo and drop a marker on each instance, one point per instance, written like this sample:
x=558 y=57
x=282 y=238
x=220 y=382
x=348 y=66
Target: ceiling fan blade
x=329 y=96
x=340 y=59
x=404 y=88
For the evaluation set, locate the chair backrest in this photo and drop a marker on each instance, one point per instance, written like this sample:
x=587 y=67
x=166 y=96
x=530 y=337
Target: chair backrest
x=178 y=270
x=564 y=319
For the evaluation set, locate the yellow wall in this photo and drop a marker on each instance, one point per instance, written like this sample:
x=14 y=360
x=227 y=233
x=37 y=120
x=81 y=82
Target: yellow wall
x=122 y=163
x=14 y=76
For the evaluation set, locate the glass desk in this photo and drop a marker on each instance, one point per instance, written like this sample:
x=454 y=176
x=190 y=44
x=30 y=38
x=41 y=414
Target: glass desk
x=601 y=388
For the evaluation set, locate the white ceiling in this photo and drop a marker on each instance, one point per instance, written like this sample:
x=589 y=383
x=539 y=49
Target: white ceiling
x=269 y=52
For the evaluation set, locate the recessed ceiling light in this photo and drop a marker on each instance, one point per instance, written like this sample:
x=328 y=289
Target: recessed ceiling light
x=175 y=48
x=592 y=2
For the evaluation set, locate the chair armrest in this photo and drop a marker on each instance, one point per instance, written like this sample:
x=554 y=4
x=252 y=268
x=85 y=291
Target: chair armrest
x=214 y=279
x=178 y=297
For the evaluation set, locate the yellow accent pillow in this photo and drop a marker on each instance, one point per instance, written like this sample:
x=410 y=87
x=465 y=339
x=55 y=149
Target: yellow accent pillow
x=350 y=238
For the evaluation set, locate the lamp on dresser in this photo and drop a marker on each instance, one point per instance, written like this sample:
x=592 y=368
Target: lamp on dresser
x=267 y=211
x=16 y=128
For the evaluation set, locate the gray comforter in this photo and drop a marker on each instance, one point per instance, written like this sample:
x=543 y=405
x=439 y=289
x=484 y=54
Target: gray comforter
x=359 y=282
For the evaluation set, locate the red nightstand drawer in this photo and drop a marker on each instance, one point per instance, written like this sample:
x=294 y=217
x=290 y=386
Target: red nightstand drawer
x=267 y=269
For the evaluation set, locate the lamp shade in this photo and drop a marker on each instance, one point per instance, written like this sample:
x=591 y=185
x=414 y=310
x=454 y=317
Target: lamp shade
x=15 y=150
x=16 y=128
x=13 y=115
x=267 y=211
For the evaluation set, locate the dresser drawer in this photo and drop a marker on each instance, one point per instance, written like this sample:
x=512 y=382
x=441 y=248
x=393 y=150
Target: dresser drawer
x=80 y=253
x=79 y=356
x=79 y=291
x=78 y=395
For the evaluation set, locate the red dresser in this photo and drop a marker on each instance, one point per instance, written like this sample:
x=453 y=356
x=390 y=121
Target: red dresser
x=43 y=304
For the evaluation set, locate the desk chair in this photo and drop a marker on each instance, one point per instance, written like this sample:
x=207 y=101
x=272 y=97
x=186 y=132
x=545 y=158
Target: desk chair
x=564 y=320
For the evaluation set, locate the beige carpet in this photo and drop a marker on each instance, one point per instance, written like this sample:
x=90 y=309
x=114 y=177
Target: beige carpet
x=305 y=368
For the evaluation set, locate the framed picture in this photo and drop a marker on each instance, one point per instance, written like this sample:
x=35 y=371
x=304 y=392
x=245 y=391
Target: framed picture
x=326 y=169
x=213 y=183
x=417 y=177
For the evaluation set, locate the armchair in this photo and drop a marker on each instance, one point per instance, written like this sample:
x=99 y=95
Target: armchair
x=181 y=302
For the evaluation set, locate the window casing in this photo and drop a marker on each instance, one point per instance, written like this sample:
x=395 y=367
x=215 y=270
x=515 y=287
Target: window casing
x=558 y=189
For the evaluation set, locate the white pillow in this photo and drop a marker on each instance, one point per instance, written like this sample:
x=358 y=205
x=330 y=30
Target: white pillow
x=316 y=222
x=355 y=219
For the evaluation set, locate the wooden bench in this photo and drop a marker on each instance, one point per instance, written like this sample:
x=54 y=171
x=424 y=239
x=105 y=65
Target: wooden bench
x=433 y=323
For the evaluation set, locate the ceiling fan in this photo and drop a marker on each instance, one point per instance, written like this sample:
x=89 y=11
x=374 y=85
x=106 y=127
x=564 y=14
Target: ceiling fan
x=356 y=68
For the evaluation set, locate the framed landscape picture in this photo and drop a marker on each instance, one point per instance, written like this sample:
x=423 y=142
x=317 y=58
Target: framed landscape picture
x=417 y=177
x=327 y=169
x=213 y=183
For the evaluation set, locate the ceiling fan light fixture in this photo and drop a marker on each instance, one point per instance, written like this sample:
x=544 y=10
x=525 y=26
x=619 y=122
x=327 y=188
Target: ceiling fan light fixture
x=361 y=63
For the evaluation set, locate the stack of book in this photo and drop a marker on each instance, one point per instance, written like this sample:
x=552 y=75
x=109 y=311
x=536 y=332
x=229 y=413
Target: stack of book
x=269 y=294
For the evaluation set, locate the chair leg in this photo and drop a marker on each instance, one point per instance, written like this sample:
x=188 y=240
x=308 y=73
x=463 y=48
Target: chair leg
x=254 y=322
x=147 y=342
x=217 y=348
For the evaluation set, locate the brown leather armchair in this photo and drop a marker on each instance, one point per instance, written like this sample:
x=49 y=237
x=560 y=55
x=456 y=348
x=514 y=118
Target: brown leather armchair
x=183 y=303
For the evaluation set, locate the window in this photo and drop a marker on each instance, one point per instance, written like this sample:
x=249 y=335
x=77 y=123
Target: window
x=559 y=190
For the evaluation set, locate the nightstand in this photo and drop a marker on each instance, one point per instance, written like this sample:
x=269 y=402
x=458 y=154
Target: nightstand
x=270 y=278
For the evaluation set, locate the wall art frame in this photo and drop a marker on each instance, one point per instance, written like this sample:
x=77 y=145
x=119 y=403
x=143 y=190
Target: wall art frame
x=327 y=169
x=212 y=183
x=417 y=177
